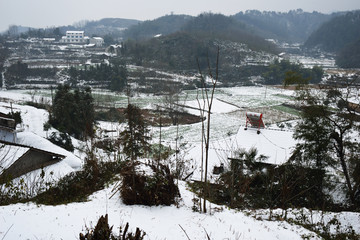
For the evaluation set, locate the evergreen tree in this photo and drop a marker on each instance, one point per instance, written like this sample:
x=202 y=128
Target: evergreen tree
x=119 y=77
x=114 y=75
x=292 y=78
x=62 y=110
x=73 y=112
x=16 y=73
x=314 y=131
x=57 y=33
x=85 y=111
x=135 y=137
x=328 y=124
x=4 y=53
x=278 y=71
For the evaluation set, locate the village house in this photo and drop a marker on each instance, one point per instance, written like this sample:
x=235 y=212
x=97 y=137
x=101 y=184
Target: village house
x=17 y=160
x=98 y=41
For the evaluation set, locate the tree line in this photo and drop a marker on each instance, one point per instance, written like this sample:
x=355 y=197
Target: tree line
x=277 y=71
x=19 y=71
x=113 y=75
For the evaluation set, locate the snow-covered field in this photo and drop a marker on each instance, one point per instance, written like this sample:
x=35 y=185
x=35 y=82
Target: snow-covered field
x=31 y=221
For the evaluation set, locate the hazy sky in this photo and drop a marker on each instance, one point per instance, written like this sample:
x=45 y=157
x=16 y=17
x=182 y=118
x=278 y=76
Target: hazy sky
x=47 y=13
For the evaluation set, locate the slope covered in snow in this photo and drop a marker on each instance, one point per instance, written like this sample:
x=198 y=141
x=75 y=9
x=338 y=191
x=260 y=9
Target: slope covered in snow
x=31 y=221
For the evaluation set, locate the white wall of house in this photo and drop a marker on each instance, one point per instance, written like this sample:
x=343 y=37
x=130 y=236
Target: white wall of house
x=8 y=136
x=98 y=41
x=7 y=129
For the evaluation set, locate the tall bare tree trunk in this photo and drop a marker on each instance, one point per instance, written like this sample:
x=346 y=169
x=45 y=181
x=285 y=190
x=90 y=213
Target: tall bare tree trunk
x=209 y=101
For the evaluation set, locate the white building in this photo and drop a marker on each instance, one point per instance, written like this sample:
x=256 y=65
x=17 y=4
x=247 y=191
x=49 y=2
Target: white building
x=73 y=37
x=98 y=41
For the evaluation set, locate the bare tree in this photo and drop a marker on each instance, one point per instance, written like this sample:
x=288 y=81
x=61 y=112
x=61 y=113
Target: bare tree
x=208 y=98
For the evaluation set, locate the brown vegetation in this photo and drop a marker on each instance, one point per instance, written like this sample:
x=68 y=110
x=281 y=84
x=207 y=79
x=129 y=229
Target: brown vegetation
x=148 y=189
x=152 y=117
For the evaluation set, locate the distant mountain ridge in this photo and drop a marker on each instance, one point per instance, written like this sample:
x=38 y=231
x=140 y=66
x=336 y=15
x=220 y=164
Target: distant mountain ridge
x=292 y=26
x=218 y=26
x=196 y=43
x=338 y=32
x=160 y=26
x=340 y=35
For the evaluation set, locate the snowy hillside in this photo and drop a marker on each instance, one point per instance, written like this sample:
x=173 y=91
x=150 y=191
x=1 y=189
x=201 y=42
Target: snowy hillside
x=29 y=221
x=32 y=221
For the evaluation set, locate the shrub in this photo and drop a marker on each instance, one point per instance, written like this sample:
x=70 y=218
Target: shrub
x=40 y=105
x=112 y=115
x=77 y=186
x=62 y=140
x=16 y=116
x=22 y=189
x=103 y=231
x=157 y=188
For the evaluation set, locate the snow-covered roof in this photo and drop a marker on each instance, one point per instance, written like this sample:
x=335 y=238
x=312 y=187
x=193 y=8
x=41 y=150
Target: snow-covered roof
x=32 y=140
x=74 y=32
x=9 y=154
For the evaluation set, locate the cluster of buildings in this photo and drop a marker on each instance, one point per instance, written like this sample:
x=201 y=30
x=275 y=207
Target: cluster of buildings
x=78 y=37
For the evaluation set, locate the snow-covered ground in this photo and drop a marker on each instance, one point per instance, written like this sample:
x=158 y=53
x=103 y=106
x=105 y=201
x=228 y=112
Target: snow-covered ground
x=31 y=221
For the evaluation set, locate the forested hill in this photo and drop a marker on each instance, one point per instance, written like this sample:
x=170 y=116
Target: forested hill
x=335 y=34
x=204 y=26
x=218 y=26
x=197 y=41
x=161 y=26
x=292 y=26
x=349 y=56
